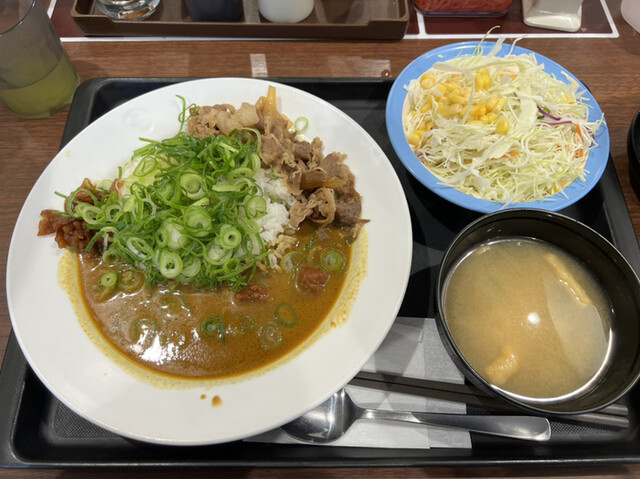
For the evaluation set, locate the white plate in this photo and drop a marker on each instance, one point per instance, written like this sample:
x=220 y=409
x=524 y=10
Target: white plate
x=92 y=385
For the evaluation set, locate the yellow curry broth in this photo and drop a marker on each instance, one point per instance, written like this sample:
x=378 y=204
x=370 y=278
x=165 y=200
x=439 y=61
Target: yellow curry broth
x=210 y=334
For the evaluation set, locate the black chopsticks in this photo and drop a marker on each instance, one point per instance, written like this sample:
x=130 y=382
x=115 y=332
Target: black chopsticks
x=615 y=415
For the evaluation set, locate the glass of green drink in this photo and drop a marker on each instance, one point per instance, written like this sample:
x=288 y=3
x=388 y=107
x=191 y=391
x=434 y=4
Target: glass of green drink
x=37 y=78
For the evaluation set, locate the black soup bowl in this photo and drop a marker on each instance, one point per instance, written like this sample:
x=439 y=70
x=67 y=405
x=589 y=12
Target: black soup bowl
x=610 y=269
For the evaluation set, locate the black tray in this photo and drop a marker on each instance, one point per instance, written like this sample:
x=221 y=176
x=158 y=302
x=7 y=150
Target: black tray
x=36 y=430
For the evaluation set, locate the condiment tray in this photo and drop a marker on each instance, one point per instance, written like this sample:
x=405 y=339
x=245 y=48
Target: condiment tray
x=336 y=19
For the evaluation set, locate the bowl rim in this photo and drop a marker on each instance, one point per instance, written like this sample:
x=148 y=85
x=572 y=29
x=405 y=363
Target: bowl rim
x=455 y=352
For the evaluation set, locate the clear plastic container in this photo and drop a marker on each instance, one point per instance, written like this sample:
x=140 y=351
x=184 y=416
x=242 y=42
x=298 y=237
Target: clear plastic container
x=463 y=8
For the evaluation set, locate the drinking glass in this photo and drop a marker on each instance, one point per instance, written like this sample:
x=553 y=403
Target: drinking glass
x=37 y=78
x=127 y=9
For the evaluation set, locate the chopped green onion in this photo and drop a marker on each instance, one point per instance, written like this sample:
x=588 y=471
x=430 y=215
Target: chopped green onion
x=139 y=248
x=129 y=279
x=145 y=166
x=332 y=260
x=143 y=331
x=290 y=261
x=176 y=238
x=301 y=124
x=232 y=266
x=112 y=213
x=214 y=327
x=192 y=268
x=269 y=336
x=229 y=237
x=108 y=280
x=91 y=214
x=286 y=315
x=110 y=257
x=246 y=323
x=255 y=161
x=187 y=196
x=255 y=207
x=191 y=183
x=216 y=254
x=170 y=264
x=197 y=218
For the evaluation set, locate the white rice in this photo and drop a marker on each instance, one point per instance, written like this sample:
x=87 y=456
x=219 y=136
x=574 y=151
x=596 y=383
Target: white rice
x=278 y=200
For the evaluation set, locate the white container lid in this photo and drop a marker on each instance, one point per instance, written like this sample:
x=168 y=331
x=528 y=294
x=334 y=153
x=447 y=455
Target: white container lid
x=285 y=11
x=565 y=15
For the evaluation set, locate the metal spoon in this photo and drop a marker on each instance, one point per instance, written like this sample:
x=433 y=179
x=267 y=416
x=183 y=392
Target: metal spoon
x=331 y=420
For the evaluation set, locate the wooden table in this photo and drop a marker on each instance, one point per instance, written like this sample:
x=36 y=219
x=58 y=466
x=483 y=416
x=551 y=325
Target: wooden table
x=609 y=66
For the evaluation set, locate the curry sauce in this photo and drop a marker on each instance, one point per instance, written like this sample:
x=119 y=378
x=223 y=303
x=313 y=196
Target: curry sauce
x=220 y=333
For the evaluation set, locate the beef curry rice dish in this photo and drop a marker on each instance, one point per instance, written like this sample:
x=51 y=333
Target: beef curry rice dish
x=218 y=251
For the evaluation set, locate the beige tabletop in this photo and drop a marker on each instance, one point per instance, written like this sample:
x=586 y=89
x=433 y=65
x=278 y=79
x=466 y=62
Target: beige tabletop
x=609 y=65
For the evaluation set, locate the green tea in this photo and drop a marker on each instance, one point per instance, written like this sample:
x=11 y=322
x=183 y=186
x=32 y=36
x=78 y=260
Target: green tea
x=45 y=97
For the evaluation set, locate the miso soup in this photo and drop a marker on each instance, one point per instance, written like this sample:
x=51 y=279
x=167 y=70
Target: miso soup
x=529 y=318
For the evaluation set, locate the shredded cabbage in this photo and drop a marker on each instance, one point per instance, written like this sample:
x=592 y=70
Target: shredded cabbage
x=499 y=128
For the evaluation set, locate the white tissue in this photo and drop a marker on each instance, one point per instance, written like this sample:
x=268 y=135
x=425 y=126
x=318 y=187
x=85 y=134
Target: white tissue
x=412 y=349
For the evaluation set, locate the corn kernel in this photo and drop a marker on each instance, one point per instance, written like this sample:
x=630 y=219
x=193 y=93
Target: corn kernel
x=441 y=88
x=455 y=109
x=479 y=110
x=484 y=119
x=427 y=81
x=453 y=86
x=499 y=105
x=444 y=100
x=443 y=110
x=414 y=139
x=426 y=126
x=492 y=117
x=503 y=125
x=456 y=98
x=491 y=103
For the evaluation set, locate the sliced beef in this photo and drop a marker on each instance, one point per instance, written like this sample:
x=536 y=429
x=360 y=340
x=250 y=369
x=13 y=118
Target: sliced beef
x=253 y=292
x=316 y=153
x=271 y=151
x=323 y=205
x=221 y=119
x=303 y=150
x=348 y=209
x=292 y=171
x=320 y=208
x=324 y=186
x=299 y=212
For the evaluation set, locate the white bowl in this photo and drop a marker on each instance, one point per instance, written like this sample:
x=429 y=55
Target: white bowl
x=94 y=386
